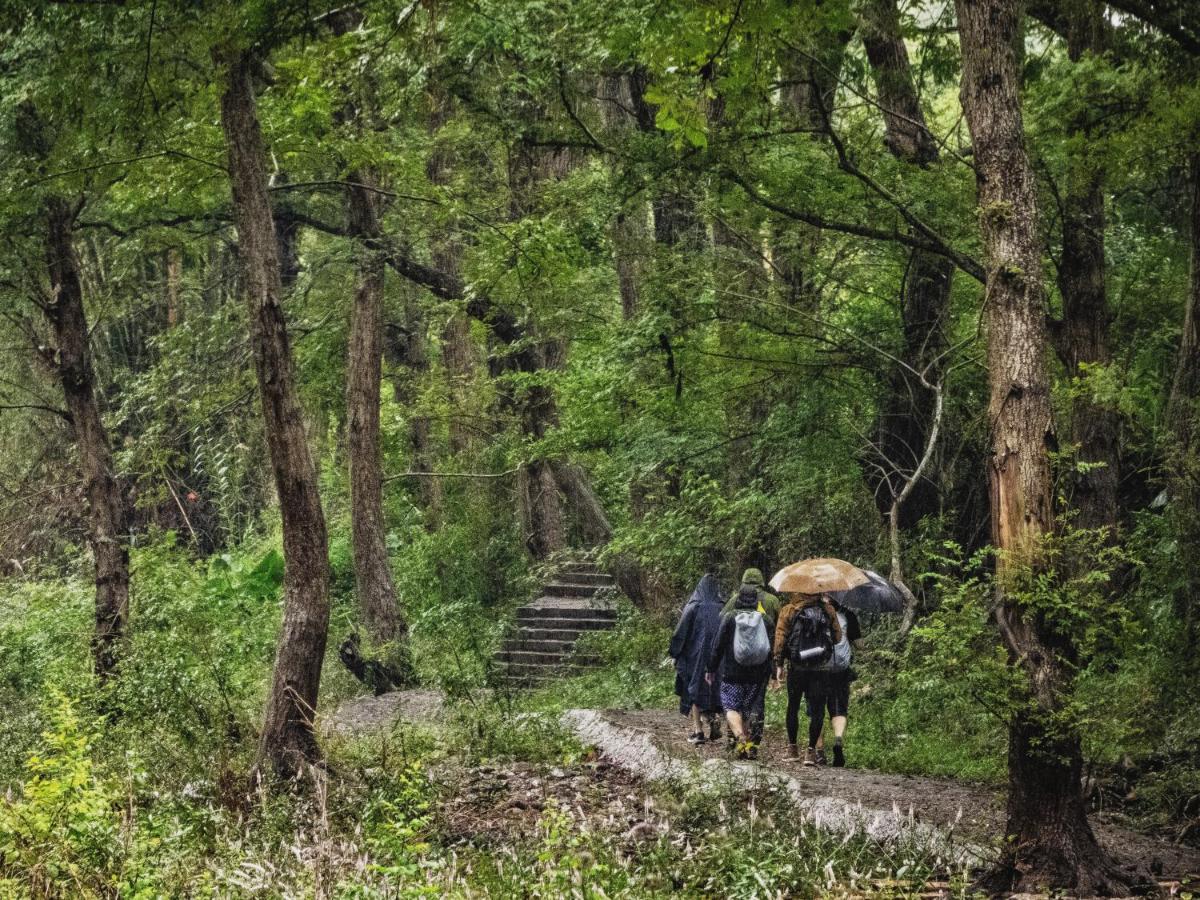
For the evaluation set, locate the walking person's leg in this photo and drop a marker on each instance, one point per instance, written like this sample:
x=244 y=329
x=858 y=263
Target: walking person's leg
x=696 y=736
x=795 y=693
x=757 y=718
x=839 y=710
x=816 y=716
x=736 y=724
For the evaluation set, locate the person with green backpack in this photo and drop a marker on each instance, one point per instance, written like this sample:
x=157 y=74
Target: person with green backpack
x=741 y=653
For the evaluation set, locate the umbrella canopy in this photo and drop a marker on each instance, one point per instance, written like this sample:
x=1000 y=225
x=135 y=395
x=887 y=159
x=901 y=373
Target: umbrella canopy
x=818 y=576
x=876 y=596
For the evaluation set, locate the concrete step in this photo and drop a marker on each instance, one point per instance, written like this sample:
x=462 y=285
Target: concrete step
x=572 y=589
x=553 y=660
x=567 y=634
x=547 y=609
x=523 y=671
x=592 y=577
x=539 y=645
x=575 y=626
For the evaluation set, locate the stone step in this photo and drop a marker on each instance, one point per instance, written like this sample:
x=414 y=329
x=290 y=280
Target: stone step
x=575 y=624
x=541 y=611
x=572 y=589
x=541 y=645
x=567 y=634
x=553 y=660
x=593 y=577
x=524 y=671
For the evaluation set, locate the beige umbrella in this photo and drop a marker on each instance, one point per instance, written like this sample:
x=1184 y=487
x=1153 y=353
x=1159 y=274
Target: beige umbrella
x=818 y=576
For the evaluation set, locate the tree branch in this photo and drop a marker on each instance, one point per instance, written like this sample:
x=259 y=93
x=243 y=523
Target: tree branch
x=966 y=263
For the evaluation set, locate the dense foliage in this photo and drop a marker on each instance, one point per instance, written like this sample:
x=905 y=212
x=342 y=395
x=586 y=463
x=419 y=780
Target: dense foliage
x=685 y=260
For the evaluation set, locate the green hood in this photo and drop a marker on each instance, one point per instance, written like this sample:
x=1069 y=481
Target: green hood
x=752 y=576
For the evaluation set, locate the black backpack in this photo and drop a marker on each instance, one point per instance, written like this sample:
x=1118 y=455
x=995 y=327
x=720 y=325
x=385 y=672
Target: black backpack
x=810 y=638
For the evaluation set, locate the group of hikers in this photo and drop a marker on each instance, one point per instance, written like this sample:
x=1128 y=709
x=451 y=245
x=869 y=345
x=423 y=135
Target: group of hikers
x=728 y=652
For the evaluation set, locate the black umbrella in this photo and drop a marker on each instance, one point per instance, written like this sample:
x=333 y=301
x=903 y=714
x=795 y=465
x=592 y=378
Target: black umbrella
x=876 y=596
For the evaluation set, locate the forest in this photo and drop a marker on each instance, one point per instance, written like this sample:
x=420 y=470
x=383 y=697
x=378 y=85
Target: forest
x=379 y=378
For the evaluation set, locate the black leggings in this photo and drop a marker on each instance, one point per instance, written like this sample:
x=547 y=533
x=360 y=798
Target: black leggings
x=802 y=683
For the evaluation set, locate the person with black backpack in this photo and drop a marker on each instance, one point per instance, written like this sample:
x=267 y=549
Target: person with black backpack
x=805 y=638
x=741 y=654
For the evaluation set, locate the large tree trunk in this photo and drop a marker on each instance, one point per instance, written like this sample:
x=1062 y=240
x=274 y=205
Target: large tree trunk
x=543 y=514
x=1183 y=414
x=458 y=350
x=106 y=508
x=1083 y=339
x=407 y=352
x=630 y=228
x=287 y=740
x=1049 y=843
x=377 y=605
x=810 y=82
x=906 y=418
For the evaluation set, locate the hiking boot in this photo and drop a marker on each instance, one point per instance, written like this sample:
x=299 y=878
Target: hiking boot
x=696 y=738
x=820 y=753
x=810 y=757
x=743 y=750
x=751 y=750
x=714 y=730
x=839 y=757
x=793 y=753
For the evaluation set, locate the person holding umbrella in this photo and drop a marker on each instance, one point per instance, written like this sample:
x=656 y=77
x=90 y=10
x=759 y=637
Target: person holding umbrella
x=835 y=678
x=807 y=633
x=877 y=595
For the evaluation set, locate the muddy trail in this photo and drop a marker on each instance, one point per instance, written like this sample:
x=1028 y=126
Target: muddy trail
x=961 y=821
x=965 y=818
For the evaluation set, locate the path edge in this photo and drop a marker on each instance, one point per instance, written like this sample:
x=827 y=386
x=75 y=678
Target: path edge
x=635 y=751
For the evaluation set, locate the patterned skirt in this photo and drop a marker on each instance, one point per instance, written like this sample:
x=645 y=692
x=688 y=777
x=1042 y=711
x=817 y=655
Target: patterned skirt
x=744 y=697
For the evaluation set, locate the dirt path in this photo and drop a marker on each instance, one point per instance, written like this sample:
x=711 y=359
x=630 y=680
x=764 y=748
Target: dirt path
x=961 y=819
x=363 y=715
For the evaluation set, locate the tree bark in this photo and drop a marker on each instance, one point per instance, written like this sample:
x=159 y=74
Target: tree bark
x=377 y=604
x=1183 y=415
x=72 y=360
x=906 y=417
x=630 y=228
x=406 y=350
x=1049 y=842
x=1084 y=336
x=288 y=739
x=810 y=83
x=458 y=350
x=174 y=267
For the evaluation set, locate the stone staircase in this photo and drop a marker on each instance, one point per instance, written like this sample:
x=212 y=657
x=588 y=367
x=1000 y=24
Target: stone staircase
x=577 y=600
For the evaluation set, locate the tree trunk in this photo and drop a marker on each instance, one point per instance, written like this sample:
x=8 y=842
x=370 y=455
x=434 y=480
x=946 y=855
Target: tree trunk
x=630 y=228
x=72 y=360
x=1183 y=415
x=287 y=740
x=1049 y=843
x=458 y=351
x=406 y=350
x=174 y=265
x=810 y=83
x=377 y=605
x=1081 y=281
x=541 y=502
x=905 y=419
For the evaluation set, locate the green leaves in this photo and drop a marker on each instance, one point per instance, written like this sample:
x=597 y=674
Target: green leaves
x=681 y=116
